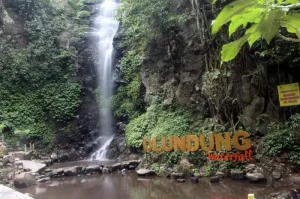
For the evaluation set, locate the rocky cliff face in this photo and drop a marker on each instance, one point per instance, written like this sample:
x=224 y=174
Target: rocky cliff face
x=12 y=25
x=184 y=67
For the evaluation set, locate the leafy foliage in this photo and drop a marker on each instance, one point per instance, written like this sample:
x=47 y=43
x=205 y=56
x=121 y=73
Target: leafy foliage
x=128 y=100
x=284 y=138
x=258 y=19
x=160 y=121
x=142 y=20
x=38 y=92
x=157 y=122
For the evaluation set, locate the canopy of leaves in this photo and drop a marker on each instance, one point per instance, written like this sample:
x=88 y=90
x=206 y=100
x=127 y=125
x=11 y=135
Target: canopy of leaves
x=259 y=19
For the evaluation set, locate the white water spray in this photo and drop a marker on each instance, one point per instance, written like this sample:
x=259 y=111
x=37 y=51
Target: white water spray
x=106 y=27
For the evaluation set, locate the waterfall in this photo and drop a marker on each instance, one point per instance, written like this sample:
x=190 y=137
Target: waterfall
x=106 y=27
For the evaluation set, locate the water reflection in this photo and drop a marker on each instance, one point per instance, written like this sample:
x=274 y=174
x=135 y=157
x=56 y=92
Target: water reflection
x=114 y=186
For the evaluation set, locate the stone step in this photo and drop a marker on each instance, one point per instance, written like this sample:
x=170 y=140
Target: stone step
x=8 y=193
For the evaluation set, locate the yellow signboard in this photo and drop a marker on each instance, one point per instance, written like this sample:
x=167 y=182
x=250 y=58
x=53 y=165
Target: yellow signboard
x=289 y=94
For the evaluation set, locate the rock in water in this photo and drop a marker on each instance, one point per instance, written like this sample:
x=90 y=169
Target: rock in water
x=43 y=179
x=145 y=172
x=276 y=175
x=57 y=172
x=194 y=180
x=93 y=169
x=116 y=166
x=24 y=180
x=255 y=177
x=236 y=174
x=54 y=156
x=214 y=179
x=177 y=175
x=181 y=180
x=72 y=171
x=105 y=170
x=33 y=166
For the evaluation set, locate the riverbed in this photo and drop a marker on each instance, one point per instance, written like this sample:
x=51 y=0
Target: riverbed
x=130 y=186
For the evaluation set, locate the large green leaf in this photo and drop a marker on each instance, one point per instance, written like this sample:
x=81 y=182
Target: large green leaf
x=253 y=38
x=254 y=33
x=292 y=23
x=229 y=51
x=230 y=10
x=291 y=28
x=270 y=24
x=252 y=29
x=243 y=19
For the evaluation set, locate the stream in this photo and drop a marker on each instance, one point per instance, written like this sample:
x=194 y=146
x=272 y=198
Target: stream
x=130 y=186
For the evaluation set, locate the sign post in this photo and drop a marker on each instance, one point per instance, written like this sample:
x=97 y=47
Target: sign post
x=289 y=94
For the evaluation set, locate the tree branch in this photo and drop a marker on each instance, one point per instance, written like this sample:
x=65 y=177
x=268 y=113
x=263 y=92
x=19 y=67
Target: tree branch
x=293 y=6
x=287 y=38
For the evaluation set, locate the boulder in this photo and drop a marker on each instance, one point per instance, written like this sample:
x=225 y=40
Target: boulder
x=220 y=174
x=185 y=164
x=294 y=178
x=105 y=170
x=236 y=174
x=275 y=194
x=20 y=167
x=145 y=172
x=45 y=179
x=116 y=166
x=284 y=195
x=40 y=176
x=54 y=156
x=78 y=168
x=276 y=175
x=255 y=177
x=63 y=157
x=214 y=179
x=132 y=167
x=93 y=169
x=181 y=180
x=250 y=167
x=169 y=171
x=33 y=166
x=9 y=164
x=194 y=180
x=121 y=126
x=134 y=162
x=197 y=175
x=175 y=175
x=125 y=165
x=57 y=172
x=72 y=171
x=24 y=180
x=8 y=159
x=3 y=150
x=22 y=155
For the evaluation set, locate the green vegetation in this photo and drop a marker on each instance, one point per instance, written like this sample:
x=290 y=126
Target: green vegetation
x=157 y=122
x=284 y=138
x=38 y=91
x=128 y=100
x=141 y=21
x=258 y=18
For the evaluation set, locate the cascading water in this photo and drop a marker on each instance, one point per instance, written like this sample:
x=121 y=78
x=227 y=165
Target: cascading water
x=106 y=27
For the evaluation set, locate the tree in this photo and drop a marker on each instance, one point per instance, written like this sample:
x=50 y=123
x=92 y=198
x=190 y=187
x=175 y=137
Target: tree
x=258 y=19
